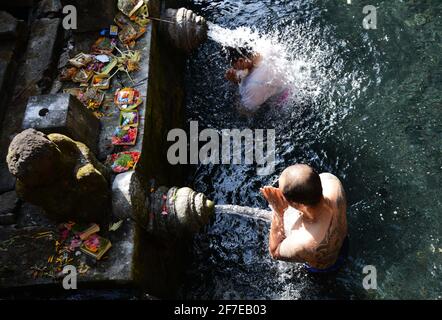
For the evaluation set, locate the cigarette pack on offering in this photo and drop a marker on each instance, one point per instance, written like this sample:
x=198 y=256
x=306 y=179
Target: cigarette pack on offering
x=96 y=246
x=128 y=118
x=113 y=31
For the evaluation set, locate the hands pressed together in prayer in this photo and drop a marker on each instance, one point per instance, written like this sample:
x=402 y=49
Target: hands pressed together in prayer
x=275 y=198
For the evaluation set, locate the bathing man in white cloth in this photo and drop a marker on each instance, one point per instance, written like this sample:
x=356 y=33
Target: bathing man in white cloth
x=259 y=76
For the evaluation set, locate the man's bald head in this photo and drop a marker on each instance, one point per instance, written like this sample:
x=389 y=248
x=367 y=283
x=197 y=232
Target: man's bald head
x=301 y=184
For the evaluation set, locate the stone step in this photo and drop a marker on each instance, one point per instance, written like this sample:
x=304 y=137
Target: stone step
x=62 y=113
x=23 y=253
x=40 y=57
x=12 y=42
x=34 y=75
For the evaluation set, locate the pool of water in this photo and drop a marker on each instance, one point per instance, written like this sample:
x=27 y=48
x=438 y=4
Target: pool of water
x=368 y=109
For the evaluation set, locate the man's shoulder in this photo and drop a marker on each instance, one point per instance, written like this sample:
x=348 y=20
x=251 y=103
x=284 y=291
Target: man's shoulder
x=327 y=176
x=332 y=187
x=330 y=182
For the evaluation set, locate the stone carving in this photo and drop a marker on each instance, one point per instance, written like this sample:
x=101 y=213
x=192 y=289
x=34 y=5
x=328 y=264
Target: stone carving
x=165 y=211
x=177 y=209
x=60 y=175
x=187 y=30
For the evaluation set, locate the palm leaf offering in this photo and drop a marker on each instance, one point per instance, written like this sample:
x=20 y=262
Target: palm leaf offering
x=123 y=161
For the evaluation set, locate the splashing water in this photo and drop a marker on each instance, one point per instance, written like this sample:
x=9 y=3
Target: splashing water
x=320 y=99
x=302 y=64
x=365 y=107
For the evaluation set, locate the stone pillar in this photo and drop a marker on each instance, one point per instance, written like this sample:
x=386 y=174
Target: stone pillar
x=166 y=221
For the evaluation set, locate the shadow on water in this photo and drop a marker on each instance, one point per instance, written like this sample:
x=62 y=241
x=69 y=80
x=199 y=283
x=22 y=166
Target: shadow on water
x=374 y=121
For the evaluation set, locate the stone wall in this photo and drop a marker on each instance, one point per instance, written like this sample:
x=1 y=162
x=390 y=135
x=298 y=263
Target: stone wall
x=30 y=40
x=156 y=264
x=165 y=107
x=160 y=265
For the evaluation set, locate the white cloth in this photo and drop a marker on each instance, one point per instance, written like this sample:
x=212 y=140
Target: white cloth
x=264 y=82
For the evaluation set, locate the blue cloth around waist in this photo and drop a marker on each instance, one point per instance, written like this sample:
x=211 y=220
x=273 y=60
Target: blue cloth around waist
x=343 y=254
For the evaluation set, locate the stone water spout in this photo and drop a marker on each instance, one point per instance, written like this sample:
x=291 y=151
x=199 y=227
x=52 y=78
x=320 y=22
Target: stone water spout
x=177 y=209
x=163 y=211
x=186 y=30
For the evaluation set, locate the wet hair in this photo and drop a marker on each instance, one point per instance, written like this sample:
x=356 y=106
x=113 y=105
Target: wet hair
x=234 y=53
x=302 y=184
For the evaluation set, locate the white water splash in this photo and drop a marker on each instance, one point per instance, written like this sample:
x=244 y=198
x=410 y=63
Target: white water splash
x=302 y=62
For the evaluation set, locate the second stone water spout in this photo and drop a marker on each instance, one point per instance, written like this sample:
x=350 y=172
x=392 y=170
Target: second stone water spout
x=163 y=211
x=186 y=30
x=176 y=210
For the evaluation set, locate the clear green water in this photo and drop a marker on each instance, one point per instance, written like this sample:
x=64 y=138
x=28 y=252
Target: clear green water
x=376 y=123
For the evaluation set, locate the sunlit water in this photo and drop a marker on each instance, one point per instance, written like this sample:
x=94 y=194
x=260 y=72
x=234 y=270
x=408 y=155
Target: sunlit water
x=365 y=106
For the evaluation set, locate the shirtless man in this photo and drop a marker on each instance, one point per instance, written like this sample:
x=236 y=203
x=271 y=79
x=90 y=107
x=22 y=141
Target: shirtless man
x=309 y=218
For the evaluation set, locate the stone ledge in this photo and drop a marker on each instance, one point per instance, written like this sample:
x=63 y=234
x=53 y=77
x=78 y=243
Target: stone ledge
x=20 y=252
x=118 y=268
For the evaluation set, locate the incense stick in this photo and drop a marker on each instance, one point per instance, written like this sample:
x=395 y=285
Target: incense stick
x=161 y=20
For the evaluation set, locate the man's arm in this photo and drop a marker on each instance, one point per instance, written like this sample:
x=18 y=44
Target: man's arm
x=277 y=235
x=333 y=189
x=282 y=247
x=291 y=250
x=278 y=204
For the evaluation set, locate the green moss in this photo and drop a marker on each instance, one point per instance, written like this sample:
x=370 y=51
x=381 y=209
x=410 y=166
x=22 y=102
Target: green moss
x=69 y=147
x=86 y=171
